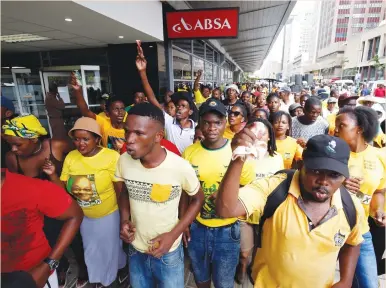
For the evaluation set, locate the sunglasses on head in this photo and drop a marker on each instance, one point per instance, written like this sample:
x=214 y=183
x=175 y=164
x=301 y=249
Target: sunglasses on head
x=235 y=113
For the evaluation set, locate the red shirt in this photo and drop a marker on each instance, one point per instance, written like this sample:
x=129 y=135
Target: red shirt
x=379 y=92
x=24 y=202
x=165 y=143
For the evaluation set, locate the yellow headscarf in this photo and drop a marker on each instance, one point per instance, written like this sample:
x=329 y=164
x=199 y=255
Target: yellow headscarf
x=24 y=126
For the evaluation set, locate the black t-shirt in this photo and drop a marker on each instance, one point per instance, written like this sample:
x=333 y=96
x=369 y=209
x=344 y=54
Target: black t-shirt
x=229 y=106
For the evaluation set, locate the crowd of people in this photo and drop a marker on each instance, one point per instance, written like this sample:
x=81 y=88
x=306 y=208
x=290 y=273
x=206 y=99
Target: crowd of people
x=272 y=187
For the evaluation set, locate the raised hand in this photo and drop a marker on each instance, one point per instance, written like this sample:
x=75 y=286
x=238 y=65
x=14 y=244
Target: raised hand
x=199 y=73
x=73 y=84
x=140 y=60
x=48 y=167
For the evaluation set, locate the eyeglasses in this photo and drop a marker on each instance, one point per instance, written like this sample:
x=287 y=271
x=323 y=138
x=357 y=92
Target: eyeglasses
x=235 y=113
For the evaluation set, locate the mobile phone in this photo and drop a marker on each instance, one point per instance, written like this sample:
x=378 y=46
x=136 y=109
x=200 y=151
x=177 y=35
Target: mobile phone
x=78 y=77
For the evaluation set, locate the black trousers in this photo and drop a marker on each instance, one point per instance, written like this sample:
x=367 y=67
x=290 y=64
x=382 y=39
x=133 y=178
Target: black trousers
x=378 y=234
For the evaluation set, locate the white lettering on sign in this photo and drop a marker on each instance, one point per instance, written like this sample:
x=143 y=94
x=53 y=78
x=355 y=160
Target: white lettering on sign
x=206 y=25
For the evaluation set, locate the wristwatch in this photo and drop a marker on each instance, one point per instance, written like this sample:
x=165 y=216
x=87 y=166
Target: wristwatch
x=52 y=263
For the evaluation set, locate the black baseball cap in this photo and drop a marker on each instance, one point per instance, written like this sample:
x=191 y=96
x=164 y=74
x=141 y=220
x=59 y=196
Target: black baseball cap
x=214 y=105
x=324 y=152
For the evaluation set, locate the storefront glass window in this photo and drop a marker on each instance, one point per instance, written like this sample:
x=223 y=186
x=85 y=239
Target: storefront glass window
x=216 y=57
x=182 y=65
x=199 y=48
x=208 y=71
x=183 y=44
x=198 y=64
x=215 y=74
x=209 y=54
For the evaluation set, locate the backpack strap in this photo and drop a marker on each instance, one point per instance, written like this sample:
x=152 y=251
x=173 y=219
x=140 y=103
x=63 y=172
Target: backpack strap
x=274 y=200
x=348 y=207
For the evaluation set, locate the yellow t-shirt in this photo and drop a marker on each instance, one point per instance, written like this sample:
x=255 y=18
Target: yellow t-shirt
x=371 y=165
x=289 y=247
x=210 y=167
x=155 y=194
x=380 y=139
x=228 y=133
x=198 y=98
x=109 y=133
x=266 y=167
x=289 y=150
x=90 y=181
x=103 y=115
x=331 y=124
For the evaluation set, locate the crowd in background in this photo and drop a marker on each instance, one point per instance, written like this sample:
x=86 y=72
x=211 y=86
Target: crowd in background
x=133 y=188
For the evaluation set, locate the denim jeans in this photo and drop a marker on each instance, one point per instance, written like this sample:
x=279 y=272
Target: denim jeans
x=147 y=271
x=214 y=253
x=366 y=275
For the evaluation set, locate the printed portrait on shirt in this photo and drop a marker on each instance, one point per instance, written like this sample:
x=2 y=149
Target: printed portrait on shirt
x=83 y=188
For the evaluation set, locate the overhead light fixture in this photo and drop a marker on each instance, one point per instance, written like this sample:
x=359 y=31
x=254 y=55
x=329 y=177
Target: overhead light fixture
x=68 y=19
x=150 y=46
x=120 y=37
x=16 y=38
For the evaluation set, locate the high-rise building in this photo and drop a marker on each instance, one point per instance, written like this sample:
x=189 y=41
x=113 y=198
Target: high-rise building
x=341 y=18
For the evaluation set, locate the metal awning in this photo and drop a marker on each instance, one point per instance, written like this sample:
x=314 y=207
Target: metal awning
x=259 y=25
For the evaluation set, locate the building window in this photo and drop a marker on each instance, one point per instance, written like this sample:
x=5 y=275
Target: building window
x=199 y=48
x=198 y=64
x=208 y=71
x=369 y=52
x=182 y=65
x=377 y=42
x=209 y=53
x=183 y=44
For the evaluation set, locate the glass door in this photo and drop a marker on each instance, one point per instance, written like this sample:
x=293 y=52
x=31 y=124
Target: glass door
x=28 y=92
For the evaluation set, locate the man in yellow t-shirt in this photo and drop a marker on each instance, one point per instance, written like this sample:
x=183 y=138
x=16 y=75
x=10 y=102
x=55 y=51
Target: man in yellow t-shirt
x=200 y=96
x=309 y=230
x=113 y=135
x=215 y=241
x=155 y=182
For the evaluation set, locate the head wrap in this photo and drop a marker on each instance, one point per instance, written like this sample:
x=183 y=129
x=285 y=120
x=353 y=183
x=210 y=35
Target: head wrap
x=25 y=126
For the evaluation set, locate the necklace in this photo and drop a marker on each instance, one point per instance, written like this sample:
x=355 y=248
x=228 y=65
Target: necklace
x=38 y=150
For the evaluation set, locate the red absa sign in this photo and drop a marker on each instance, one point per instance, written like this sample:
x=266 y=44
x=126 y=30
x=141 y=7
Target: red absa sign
x=211 y=23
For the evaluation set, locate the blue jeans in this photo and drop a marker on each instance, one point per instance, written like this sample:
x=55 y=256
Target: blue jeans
x=147 y=271
x=214 y=253
x=366 y=275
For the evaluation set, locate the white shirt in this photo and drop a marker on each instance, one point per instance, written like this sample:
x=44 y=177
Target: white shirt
x=181 y=137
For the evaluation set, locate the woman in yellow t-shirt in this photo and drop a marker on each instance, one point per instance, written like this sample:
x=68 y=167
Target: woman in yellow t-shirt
x=286 y=146
x=367 y=166
x=88 y=175
x=237 y=119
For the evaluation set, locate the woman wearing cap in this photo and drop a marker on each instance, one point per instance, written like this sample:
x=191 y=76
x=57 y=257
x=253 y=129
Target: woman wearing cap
x=231 y=92
x=237 y=118
x=88 y=175
x=331 y=107
x=28 y=156
x=367 y=166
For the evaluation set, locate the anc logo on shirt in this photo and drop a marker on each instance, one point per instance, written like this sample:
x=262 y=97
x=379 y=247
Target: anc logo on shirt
x=83 y=188
x=339 y=239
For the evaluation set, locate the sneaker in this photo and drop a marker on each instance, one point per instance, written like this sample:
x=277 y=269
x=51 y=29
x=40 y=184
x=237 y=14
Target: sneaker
x=123 y=274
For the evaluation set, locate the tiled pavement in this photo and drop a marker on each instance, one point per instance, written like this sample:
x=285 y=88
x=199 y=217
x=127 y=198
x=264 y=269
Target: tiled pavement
x=189 y=279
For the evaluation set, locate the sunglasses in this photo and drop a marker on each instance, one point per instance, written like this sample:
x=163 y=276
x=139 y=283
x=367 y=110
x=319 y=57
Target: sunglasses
x=236 y=113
